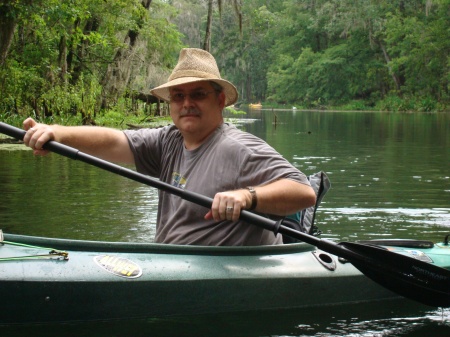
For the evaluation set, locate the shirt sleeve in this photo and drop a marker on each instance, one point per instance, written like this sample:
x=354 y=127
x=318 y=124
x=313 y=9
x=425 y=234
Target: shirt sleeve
x=146 y=147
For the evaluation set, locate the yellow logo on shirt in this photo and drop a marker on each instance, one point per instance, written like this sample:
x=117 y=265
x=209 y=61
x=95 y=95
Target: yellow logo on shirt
x=178 y=180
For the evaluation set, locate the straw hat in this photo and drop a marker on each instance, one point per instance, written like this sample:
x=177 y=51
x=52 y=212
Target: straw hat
x=196 y=65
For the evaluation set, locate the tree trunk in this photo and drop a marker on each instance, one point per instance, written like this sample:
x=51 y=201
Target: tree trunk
x=76 y=57
x=62 y=58
x=7 y=26
x=207 y=40
x=248 y=87
x=118 y=73
x=395 y=78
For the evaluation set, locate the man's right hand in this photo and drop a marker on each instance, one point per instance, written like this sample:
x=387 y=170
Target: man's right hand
x=37 y=135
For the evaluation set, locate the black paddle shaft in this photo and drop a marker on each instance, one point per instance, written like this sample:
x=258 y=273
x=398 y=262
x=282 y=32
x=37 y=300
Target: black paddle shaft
x=409 y=277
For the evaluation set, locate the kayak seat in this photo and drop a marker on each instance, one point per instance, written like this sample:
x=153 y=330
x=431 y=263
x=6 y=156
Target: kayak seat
x=303 y=221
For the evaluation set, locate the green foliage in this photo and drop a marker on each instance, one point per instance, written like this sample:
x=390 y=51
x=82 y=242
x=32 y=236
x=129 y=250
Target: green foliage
x=396 y=103
x=336 y=75
x=355 y=105
x=392 y=103
x=62 y=51
x=421 y=48
x=233 y=111
x=70 y=99
x=75 y=58
x=331 y=52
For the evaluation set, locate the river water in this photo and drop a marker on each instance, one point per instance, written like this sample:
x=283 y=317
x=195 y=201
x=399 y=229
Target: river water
x=390 y=179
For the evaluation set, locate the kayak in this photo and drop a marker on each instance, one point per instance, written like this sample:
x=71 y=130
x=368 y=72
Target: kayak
x=47 y=280
x=255 y=106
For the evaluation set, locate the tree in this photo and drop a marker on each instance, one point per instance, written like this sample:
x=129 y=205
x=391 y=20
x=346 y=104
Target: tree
x=8 y=24
x=118 y=73
x=62 y=50
x=244 y=56
x=236 y=4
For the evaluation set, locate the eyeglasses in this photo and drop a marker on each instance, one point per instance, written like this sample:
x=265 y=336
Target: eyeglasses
x=195 y=96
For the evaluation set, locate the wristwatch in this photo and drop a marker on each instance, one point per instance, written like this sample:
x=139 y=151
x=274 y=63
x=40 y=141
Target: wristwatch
x=254 y=198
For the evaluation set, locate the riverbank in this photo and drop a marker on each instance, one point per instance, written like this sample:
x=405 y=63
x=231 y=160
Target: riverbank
x=134 y=121
x=107 y=120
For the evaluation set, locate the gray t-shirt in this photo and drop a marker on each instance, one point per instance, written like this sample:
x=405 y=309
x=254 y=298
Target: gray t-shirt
x=230 y=159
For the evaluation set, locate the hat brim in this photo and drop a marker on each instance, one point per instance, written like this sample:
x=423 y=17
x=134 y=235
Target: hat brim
x=162 y=91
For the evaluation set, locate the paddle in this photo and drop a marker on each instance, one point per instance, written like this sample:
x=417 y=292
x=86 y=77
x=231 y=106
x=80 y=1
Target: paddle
x=411 y=278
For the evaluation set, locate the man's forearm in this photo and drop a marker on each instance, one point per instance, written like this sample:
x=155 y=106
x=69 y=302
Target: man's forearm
x=106 y=143
x=284 y=197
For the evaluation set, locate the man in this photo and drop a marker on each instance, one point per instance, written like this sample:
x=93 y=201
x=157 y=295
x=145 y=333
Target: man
x=199 y=153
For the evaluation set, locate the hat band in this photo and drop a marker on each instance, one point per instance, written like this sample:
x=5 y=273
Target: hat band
x=193 y=73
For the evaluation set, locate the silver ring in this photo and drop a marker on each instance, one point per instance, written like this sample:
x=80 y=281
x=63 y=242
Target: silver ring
x=32 y=129
x=230 y=209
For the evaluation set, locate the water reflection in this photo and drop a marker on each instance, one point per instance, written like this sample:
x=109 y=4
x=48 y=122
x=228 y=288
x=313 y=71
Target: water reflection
x=389 y=172
x=389 y=175
x=58 y=197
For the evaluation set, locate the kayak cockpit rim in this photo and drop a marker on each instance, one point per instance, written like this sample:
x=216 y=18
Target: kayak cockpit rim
x=105 y=246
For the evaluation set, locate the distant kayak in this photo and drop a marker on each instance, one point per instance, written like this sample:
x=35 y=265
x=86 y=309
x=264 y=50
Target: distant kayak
x=255 y=106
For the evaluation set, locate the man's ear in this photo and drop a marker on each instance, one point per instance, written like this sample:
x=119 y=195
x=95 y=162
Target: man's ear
x=222 y=100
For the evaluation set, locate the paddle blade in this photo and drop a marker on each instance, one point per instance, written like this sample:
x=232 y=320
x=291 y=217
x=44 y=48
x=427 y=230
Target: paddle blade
x=412 y=278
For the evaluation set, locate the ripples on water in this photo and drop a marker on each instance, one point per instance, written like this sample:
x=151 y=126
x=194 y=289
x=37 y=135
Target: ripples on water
x=355 y=223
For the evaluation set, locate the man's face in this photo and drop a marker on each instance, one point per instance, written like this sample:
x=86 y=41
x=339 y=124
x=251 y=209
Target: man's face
x=196 y=108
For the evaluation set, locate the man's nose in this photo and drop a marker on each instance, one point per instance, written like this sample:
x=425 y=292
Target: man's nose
x=187 y=100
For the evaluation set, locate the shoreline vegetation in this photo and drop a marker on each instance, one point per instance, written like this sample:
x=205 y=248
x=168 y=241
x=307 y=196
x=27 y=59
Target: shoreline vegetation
x=139 y=119
x=95 y=61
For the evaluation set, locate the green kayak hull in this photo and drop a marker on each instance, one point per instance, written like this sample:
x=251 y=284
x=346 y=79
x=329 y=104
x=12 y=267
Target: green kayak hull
x=46 y=280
